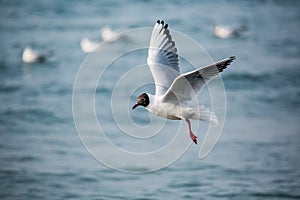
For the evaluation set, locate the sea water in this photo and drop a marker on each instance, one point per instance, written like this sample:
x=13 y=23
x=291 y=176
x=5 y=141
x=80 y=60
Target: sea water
x=42 y=155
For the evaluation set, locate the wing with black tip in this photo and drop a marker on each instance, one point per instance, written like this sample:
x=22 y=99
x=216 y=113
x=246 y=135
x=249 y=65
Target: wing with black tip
x=162 y=58
x=187 y=85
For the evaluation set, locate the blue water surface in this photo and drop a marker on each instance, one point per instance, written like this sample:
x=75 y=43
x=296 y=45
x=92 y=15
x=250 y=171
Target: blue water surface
x=257 y=156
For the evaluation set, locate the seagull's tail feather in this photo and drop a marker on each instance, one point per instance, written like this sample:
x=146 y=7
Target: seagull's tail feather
x=204 y=114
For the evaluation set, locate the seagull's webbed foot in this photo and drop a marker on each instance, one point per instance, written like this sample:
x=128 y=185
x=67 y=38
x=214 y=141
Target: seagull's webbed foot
x=193 y=137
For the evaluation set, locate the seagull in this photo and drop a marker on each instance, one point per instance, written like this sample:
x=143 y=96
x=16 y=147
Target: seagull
x=228 y=32
x=88 y=45
x=31 y=56
x=173 y=90
x=108 y=35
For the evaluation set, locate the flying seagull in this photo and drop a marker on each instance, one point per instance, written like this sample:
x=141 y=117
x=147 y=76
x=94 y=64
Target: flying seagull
x=174 y=90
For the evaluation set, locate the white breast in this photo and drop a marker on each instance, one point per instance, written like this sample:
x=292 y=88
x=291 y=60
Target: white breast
x=166 y=110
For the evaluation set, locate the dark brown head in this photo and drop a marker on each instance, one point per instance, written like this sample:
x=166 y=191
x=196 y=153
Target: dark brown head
x=143 y=100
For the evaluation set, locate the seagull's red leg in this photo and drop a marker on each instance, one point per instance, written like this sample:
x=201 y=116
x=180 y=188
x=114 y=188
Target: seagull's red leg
x=192 y=135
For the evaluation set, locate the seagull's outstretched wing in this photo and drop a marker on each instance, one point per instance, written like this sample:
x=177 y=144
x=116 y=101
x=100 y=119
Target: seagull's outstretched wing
x=162 y=58
x=187 y=85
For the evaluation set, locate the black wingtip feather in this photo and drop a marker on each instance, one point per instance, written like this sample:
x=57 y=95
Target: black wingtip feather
x=231 y=58
x=224 y=63
x=162 y=23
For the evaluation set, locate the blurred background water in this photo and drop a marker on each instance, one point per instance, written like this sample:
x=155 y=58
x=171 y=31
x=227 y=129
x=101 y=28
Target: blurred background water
x=257 y=156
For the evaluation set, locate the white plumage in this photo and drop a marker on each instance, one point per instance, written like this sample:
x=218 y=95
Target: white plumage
x=108 y=35
x=31 y=56
x=173 y=90
x=225 y=32
x=88 y=45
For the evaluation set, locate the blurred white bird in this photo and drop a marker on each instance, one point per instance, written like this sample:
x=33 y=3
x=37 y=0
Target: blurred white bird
x=228 y=32
x=31 y=56
x=88 y=45
x=108 y=35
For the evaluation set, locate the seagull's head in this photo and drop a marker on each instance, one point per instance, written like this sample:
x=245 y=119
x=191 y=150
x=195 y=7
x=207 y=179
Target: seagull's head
x=142 y=100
